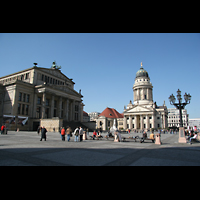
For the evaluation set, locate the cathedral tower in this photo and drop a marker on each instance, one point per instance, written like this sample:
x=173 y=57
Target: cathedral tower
x=142 y=88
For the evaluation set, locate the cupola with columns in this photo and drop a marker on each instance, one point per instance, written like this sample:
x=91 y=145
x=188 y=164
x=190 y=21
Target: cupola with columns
x=142 y=88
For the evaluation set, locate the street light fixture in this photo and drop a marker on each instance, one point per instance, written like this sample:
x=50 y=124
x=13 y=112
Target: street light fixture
x=180 y=106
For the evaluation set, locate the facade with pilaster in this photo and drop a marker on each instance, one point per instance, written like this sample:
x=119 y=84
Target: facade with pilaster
x=144 y=113
x=39 y=93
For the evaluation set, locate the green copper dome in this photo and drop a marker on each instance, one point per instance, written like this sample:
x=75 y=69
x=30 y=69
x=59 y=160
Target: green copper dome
x=142 y=73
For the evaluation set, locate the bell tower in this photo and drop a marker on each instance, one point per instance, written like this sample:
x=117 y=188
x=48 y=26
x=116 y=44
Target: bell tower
x=142 y=88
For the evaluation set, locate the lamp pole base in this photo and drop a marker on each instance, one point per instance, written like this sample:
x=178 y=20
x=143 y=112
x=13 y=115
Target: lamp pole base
x=182 y=138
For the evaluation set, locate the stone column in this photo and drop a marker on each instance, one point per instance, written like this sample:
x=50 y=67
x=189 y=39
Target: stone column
x=34 y=106
x=136 y=122
x=147 y=122
x=65 y=111
x=59 y=107
x=67 y=114
x=141 y=122
x=164 y=121
x=130 y=122
x=52 y=105
x=43 y=104
x=153 y=121
x=81 y=104
x=73 y=109
x=125 y=123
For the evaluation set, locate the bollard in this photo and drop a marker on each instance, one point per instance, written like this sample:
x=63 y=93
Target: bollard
x=116 y=137
x=84 y=136
x=158 y=139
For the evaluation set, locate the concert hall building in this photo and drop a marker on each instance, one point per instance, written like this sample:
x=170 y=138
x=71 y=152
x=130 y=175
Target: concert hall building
x=37 y=96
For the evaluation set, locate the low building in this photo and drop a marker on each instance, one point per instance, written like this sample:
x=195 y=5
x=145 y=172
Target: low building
x=39 y=93
x=93 y=115
x=106 y=119
x=194 y=122
x=174 y=118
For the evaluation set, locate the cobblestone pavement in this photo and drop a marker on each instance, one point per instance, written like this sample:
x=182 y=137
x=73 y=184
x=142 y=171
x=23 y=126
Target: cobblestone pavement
x=26 y=149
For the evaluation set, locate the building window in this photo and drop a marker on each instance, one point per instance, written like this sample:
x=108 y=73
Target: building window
x=27 y=107
x=47 y=113
x=19 y=108
x=47 y=102
x=20 y=96
x=24 y=98
x=38 y=113
x=55 y=103
x=39 y=100
x=158 y=125
x=54 y=113
x=76 y=116
x=27 y=98
x=76 y=108
x=23 y=106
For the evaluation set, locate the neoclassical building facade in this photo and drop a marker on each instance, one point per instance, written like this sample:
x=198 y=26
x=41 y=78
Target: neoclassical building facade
x=39 y=93
x=144 y=113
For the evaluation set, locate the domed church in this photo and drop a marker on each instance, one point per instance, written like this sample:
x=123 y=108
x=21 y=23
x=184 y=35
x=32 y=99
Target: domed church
x=144 y=113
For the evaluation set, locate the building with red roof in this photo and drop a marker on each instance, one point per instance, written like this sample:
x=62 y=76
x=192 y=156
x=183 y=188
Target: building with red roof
x=106 y=119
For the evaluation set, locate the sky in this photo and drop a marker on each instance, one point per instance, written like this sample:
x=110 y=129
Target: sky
x=104 y=65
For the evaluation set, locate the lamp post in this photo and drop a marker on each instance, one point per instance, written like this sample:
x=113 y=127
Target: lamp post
x=180 y=106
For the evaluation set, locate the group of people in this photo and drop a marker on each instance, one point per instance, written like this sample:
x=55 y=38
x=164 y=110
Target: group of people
x=78 y=133
x=192 y=136
x=97 y=134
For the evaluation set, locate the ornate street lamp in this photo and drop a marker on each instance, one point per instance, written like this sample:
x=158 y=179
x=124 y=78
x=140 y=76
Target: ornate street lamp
x=180 y=106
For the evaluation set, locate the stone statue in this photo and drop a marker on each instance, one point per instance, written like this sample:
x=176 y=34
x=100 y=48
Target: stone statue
x=113 y=128
x=54 y=66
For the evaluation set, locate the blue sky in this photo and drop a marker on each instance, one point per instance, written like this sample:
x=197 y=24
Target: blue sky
x=104 y=65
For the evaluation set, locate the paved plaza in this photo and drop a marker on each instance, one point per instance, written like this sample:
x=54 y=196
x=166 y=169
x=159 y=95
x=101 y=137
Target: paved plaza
x=26 y=149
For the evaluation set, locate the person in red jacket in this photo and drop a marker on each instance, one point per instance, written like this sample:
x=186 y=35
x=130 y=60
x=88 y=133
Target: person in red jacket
x=63 y=134
x=94 y=134
x=2 y=128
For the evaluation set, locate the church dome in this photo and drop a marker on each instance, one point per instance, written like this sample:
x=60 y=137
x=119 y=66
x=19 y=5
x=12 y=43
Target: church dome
x=142 y=73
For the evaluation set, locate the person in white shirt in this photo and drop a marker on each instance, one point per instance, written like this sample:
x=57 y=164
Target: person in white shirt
x=76 y=134
x=81 y=133
x=194 y=137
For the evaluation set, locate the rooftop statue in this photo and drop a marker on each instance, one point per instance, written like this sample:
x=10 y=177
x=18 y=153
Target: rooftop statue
x=54 y=66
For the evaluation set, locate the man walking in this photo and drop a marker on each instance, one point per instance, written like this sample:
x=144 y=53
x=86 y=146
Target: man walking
x=81 y=133
x=43 y=133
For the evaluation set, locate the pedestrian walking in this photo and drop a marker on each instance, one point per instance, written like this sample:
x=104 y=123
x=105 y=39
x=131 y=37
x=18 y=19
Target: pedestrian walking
x=76 y=134
x=81 y=134
x=43 y=133
x=63 y=134
x=69 y=133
